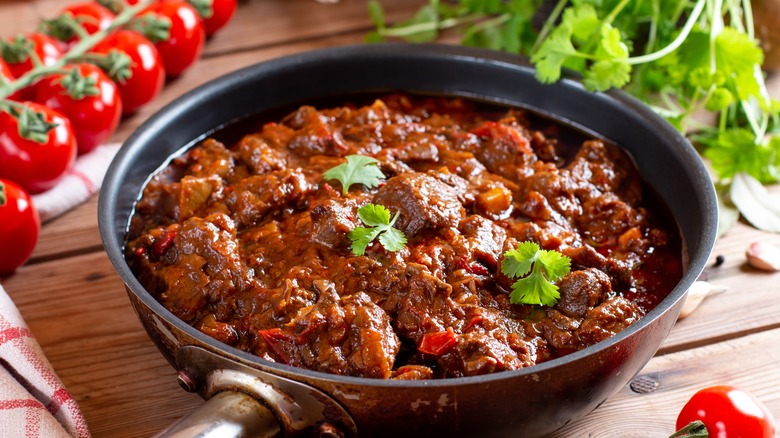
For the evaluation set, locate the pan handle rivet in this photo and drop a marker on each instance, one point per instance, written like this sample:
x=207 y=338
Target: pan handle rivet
x=187 y=381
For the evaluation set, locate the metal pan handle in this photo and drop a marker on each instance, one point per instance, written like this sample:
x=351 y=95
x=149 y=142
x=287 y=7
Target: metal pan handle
x=226 y=414
x=243 y=401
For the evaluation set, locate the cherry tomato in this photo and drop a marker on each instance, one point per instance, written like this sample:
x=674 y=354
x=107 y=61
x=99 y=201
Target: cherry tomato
x=7 y=76
x=222 y=12
x=35 y=166
x=47 y=49
x=92 y=16
x=19 y=226
x=728 y=412
x=148 y=75
x=187 y=36
x=94 y=117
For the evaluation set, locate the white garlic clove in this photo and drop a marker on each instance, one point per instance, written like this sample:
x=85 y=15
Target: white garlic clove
x=764 y=256
x=696 y=294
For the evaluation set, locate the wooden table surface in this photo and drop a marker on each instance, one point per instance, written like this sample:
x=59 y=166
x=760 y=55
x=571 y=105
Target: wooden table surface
x=77 y=308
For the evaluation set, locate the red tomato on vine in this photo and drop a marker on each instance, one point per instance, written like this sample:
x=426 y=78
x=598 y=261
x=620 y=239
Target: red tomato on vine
x=728 y=412
x=222 y=12
x=148 y=74
x=19 y=61
x=19 y=226
x=94 y=112
x=7 y=76
x=92 y=16
x=186 y=39
x=36 y=166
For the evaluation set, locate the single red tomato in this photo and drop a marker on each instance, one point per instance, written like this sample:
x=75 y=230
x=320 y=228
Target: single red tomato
x=187 y=35
x=148 y=75
x=92 y=16
x=728 y=412
x=95 y=117
x=19 y=226
x=46 y=47
x=7 y=76
x=222 y=12
x=35 y=166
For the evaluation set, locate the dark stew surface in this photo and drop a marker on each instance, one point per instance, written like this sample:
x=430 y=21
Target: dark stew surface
x=250 y=243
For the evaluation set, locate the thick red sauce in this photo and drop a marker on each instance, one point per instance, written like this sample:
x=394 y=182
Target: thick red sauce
x=249 y=243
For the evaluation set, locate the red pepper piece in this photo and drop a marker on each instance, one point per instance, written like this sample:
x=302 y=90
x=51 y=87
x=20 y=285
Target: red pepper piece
x=438 y=343
x=162 y=245
x=278 y=342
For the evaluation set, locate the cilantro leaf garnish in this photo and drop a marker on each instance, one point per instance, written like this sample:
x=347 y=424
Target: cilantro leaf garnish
x=545 y=267
x=359 y=169
x=377 y=217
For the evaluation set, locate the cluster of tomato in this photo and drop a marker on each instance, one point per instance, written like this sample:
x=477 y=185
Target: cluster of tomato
x=44 y=126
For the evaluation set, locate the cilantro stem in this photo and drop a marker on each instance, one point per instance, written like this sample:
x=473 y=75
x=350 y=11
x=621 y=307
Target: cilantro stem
x=548 y=24
x=416 y=28
x=674 y=45
x=747 y=11
x=653 y=32
x=615 y=11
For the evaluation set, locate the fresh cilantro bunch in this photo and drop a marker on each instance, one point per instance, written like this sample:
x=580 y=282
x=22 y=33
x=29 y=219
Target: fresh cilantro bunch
x=545 y=268
x=377 y=217
x=688 y=60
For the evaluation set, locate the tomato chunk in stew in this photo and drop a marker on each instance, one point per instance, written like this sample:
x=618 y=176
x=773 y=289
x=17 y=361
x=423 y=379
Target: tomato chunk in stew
x=250 y=242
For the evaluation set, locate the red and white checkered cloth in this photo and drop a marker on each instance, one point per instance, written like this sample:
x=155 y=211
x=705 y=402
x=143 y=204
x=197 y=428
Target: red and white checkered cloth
x=33 y=401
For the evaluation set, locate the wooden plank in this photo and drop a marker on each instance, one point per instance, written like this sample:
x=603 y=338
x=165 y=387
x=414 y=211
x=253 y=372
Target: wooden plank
x=297 y=20
x=750 y=301
x=751 y=363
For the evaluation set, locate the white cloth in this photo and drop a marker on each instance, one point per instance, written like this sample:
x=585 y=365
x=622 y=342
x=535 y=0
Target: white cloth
x=78 y=184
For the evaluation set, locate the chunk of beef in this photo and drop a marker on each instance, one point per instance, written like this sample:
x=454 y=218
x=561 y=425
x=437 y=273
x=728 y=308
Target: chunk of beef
x=506 y=150
x=210 y=158
x=606 y=169
x=347 y=335
x=424 y=203
x=485 y=238
x=257 y=195
x=195 y=194
x=332 y=220
x=483 y=352
x=605 y=218
x=259 y=156
x=204 y=252
x=314 y=135
x=582 y=290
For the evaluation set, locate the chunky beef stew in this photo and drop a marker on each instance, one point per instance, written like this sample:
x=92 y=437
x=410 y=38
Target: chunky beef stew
x=250 y=243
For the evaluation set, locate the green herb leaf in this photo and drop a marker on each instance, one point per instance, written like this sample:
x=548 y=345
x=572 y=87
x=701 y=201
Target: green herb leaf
x=545 y=267
x=377 y=217
x=359 y=169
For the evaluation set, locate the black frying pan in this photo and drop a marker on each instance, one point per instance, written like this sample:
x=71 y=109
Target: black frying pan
x=528 y=402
